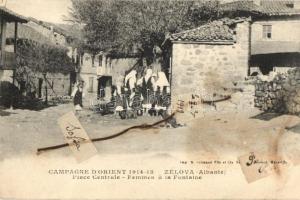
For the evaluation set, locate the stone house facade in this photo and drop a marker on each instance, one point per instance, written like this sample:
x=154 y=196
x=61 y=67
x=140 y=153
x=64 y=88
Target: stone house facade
x=57 y=84
x=209 y=58
x=59 y=36
x=261 y=37
x=275 y=30
x=8 y=55
x=101 y=72
x=105 y=71
x=275 y=45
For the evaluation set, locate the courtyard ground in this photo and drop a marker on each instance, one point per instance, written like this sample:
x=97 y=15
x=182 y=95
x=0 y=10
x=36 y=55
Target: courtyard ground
x=23 y=131
x=215 y=137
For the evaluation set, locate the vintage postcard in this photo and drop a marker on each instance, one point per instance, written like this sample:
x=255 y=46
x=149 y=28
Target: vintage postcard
x=149 y=99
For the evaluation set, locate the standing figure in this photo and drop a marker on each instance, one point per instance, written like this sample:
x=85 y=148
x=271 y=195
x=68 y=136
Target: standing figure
x=77 y=97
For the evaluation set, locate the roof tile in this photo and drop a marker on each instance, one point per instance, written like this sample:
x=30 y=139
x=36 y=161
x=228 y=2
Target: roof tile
x=12 y=15
x=216 y=31
x=266 y=7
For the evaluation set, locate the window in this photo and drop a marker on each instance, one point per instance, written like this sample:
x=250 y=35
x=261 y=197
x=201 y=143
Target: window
x=267 y=31
x=100 y=60
x=91 y=84
x=290 y=5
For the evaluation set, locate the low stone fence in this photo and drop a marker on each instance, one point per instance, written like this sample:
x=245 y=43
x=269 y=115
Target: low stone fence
x=279 y=94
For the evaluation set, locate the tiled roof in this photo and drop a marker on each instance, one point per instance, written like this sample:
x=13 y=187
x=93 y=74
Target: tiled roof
x=242 y=5
x=265 y=7
x=62 y=29
x=48 y=25
x=26 y=32
x=12 y=16
x=278 y=8
x=216 y=31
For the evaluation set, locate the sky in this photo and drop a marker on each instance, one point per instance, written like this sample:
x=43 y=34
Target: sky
x=45 y=10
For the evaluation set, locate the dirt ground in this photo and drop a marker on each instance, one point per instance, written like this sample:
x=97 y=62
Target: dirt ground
x=215 y=137
x=23 y=131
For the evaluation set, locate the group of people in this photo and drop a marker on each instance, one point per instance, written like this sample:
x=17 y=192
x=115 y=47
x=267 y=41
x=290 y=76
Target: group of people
x=148 y=89
x=152 y=89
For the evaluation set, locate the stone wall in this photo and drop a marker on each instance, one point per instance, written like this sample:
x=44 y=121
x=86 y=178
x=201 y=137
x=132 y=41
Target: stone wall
x=205 y=69
x=280 y=94
x=268 y=94
x=58 y=84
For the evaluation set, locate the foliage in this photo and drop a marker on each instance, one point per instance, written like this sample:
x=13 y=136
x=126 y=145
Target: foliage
x=139 y=25
x=42 y=58
x=100 y=20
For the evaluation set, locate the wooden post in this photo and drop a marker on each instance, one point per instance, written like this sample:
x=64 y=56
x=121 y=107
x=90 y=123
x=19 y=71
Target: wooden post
x=16 y=37
x=46 y=88
x=3 y=40
x=15 y=50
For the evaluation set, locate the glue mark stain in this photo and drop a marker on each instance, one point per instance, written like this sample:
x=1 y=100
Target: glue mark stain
x=274 y=147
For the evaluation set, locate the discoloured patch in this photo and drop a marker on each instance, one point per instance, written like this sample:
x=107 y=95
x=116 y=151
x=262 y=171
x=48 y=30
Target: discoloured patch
x=274 y=147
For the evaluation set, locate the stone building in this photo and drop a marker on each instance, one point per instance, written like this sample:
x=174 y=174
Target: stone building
x=210 y=58
x=261 y=38
x=275 y=30
x=103 y=71
x=57 y=84
x=8 y=57
x=68 y=36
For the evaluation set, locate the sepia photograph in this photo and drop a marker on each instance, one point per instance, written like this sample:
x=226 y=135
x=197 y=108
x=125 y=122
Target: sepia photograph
x=149 y=99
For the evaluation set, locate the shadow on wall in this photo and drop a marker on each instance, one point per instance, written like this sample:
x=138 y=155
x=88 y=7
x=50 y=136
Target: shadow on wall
x=10 y=96
x=216 y=84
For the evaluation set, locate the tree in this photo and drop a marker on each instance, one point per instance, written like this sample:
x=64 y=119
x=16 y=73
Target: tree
x=34 y=58
x=100 y=23
x=142 y=25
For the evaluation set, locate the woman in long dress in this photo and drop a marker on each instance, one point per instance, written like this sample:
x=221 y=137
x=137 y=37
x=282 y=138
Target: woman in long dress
x=77 y=97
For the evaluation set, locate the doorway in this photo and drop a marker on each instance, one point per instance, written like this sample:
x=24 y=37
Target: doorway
x=40 y=87
x=104 y=87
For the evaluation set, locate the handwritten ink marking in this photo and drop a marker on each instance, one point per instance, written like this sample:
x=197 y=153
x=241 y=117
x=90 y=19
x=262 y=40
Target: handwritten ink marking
x=251 y=159
x=180 y=106
x=71 y=135
x=76 y=137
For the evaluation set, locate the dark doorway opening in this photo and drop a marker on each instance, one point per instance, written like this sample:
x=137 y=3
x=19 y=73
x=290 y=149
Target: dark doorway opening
x=40 y=87
x=269 y=62
x=22 y=86
x=104 y=87
x=266 y=69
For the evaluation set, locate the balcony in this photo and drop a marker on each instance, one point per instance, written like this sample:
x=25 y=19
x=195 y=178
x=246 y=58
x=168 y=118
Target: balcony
x=104 y=71
x=273 y=47
x=8 y=61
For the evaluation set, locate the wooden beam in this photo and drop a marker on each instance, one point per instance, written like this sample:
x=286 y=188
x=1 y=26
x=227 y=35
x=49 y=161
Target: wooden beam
x=16 y=37
x=3 y=40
